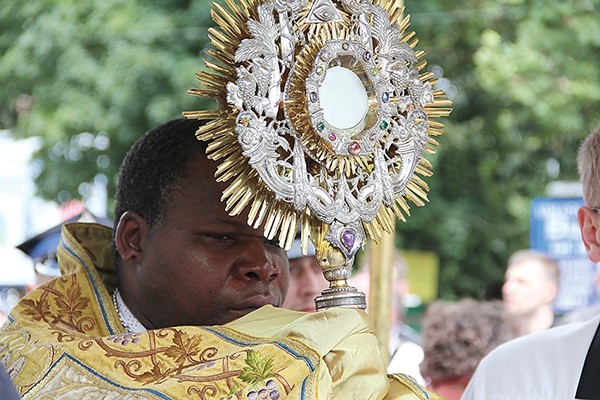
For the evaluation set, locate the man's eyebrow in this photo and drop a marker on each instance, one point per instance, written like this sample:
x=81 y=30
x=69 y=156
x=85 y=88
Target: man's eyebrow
x=240 y=227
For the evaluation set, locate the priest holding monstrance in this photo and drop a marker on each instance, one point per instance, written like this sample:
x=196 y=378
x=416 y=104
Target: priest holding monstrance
x=322 y=122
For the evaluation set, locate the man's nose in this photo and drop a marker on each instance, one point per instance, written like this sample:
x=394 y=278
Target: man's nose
x=258 y=262
x=507 y=287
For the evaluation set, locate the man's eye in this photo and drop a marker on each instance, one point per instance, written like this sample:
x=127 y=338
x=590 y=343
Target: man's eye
x=219 y=236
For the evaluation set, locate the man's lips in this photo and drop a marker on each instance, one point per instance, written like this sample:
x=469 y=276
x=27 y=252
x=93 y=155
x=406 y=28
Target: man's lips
x=255 y=302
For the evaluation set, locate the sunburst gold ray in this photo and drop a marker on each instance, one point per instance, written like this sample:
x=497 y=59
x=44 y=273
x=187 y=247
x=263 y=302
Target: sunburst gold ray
x=226 y=59
x=225 y=20
x=243 y=202
x=223 y=144
x=405 y=23
x=222 y=37
x=272 y=224
x=235 y=187
x=410 y=39
x=421 y=170
x=231 y=169
x=262 y=211
x=403 y=204
x=398 y=213
x=395 y=10
x=203 y=114
x=222 y=71
x=232 y=205
x=285 y=231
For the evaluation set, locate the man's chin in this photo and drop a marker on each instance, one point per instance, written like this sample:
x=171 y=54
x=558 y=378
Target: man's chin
x=236 y=314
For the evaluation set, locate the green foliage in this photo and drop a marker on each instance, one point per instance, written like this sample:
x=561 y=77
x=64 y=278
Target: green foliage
x=89 y=77
x=524 y=79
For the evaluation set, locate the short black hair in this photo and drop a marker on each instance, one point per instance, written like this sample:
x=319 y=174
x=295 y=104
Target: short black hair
x=154 y=168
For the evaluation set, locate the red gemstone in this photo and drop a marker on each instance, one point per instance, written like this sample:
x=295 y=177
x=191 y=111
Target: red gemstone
x=354 y=147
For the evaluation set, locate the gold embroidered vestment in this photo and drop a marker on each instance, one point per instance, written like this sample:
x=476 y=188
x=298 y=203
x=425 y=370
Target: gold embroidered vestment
x=64 y=340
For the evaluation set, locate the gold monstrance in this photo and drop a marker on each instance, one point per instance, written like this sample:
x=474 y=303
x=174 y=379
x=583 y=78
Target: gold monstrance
x=324 y=116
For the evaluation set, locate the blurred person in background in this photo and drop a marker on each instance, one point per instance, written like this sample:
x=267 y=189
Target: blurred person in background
x=530 y=287
x=562 y=362
x=306 y=278
x=456 y=336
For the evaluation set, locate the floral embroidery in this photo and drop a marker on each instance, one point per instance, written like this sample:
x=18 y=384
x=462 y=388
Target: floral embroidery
x=71 y=306
x=181 y=355
x=38 y=310
x=258 y=369
x=184 y=348
x=63 y=310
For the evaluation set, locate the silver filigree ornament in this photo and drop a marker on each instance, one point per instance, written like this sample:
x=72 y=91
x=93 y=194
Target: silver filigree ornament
x=306 y=151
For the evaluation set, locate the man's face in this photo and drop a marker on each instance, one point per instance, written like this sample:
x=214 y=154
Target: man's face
x=526 y=288
x=306 y=282
x=199 y=266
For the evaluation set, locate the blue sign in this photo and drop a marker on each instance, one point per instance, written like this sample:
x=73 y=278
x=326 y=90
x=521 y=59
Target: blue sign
x=555 y=231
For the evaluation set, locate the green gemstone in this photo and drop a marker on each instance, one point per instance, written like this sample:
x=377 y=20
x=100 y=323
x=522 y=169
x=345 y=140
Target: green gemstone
x=383 y=125
x=320 y=126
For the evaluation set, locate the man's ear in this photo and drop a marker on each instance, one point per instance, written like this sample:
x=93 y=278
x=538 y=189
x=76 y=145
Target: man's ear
x=552 y=292
x=589 y=222
x=130 y=236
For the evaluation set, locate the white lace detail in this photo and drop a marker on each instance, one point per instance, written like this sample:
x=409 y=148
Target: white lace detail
x=129 y=321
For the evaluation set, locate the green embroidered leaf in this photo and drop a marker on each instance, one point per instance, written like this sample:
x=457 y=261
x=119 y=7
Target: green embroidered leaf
x=258 y=368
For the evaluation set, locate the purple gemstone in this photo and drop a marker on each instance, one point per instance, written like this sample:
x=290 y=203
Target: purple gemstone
x=348 y=238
